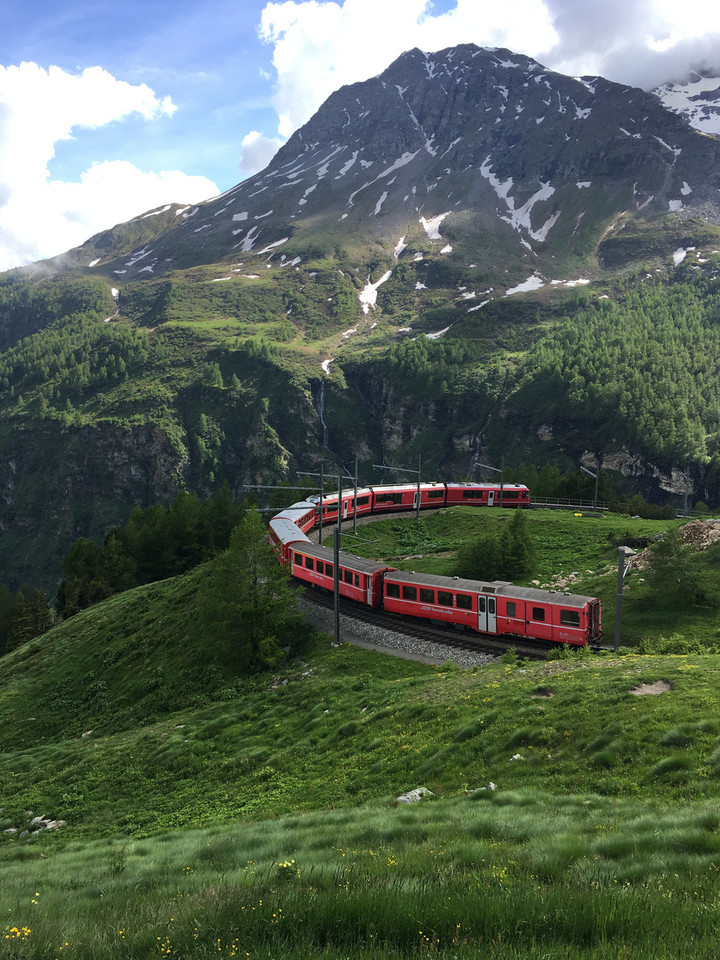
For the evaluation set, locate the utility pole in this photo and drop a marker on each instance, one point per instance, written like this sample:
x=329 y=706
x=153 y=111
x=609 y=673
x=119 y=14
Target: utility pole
x=320 y=505
x=500 y=470
x=624 y=554
x=355 y=490
x=336 y=549
x=595 y=476
x=336 y=564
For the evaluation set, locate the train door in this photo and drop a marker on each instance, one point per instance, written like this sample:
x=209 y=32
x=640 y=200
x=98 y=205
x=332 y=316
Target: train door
x=594 y=633
x=416 y=500
x=487 y=614
x=346 y=504
x=491 y=498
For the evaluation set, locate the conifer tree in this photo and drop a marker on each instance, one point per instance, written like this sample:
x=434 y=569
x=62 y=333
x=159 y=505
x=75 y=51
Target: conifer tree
x=21 y=629
x=247 y=609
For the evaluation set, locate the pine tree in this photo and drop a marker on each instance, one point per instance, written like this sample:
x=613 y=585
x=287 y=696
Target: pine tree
x=247 y=609
x=673 y=575
x=21 y=629
x=41 y=613
x=517 y=548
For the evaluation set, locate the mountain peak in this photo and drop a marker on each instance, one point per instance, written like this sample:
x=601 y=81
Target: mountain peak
x=489 y=141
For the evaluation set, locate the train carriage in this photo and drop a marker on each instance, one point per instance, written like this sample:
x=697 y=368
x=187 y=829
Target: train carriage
x=432 y=597
x=303 y=514
x=359 y=579
x=562 y=617
x=330 y=504
x=495 y=608
x=487 y=495
x=282 y=533
x=398 y=496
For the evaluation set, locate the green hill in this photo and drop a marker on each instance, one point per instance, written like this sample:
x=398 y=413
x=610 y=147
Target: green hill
x=573 y=808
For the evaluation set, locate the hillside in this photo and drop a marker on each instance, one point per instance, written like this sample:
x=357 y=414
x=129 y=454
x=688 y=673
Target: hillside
x=467 y=258
x=209 y=812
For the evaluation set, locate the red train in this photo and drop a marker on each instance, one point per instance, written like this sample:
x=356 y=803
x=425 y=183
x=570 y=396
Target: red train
x=487 y=607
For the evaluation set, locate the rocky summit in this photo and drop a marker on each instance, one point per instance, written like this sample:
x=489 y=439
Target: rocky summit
x=448 y=150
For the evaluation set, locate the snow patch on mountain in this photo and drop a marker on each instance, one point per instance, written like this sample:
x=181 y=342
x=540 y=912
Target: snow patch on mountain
x=378 y=205
x=532 y=283
x=520 y=218
x=368 y=295
x=698 y=100
x=432 y=226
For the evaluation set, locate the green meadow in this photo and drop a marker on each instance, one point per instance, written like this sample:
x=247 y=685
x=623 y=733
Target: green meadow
x=573 y=807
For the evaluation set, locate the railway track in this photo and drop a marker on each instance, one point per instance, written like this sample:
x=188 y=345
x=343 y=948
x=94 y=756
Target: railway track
x=446 y=636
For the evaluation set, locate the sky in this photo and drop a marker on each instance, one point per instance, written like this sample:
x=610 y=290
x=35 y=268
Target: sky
x=110 y=109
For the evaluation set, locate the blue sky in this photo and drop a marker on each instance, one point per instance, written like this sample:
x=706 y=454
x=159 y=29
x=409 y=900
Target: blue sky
x=109 y=109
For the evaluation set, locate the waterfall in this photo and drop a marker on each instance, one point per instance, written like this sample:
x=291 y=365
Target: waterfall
x=321 y=413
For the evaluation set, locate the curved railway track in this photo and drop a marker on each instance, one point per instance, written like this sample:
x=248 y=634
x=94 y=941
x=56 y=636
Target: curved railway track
x=429 y=631
x=446 y=636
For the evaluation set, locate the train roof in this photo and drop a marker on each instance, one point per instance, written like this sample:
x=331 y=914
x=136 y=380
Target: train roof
x=500 y=588
x=347 y=560
x=410 y=485
x=286 y=531
x=301 y=507
x=470 y=485
x=347 y=492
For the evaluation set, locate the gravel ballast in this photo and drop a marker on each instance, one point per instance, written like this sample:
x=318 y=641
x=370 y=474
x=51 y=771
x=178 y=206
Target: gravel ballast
x=386 y=641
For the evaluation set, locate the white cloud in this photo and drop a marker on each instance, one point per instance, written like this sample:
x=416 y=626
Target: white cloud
x=319 y=47
x=641 y=42
x=256 y=151
x=41 y=217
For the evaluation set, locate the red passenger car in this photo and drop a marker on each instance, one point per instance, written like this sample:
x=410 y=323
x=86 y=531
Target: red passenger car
x=400 y=496
x=302 y=514
x=330 y=504
x=359 y=579
x=495 y=608
x=487 y=495
x=282 y=532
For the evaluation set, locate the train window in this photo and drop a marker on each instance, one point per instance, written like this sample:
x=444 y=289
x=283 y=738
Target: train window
x=510 y=494
x=357 y=579
x=436 y=494
x=538 y=613
x=329 y=570
x=298 y=559
x=409 y=593
x=309 y=563
x=445 y=599
x=481 y=604
x=363 y=501
x=570 y=618
x=510 y=609
x=472 y=494
x=392 y=590
x=427 y=596
x=347 y=576
x=464 y=602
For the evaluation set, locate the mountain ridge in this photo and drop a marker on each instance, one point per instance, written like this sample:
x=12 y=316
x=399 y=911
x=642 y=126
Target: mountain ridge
x=487 y=140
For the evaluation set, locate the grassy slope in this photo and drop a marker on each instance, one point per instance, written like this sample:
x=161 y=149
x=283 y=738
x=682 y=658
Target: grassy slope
x=603 y=835
x=575 y=552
